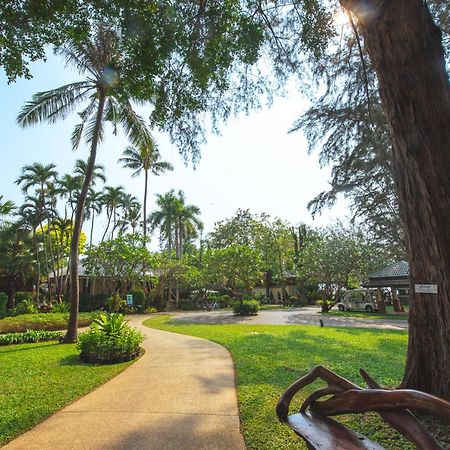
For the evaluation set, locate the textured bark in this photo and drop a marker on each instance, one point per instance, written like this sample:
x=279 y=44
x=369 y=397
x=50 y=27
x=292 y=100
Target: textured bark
x=405 y=48
x=72 y=328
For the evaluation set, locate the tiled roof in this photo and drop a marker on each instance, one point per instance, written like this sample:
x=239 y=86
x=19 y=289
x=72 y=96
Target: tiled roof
x=397 y=270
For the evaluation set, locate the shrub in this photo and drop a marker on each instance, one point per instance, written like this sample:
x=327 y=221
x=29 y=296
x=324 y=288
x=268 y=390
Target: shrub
x=21 y=296
x=115 y=303
x=27 y=307
x=246 y=308
x=138 y=298
x=3 y=303
x=186 y=305
x=297 y=301
x=90 y=302
x=109 y=340
x=60 y=307
x=29 y=336
x=150 y=310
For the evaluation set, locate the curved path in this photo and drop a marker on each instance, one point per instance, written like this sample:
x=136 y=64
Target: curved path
x=179 y=395
x=308 y=315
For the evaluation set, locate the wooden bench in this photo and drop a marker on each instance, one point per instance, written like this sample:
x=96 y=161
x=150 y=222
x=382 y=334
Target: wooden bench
x=313 y=424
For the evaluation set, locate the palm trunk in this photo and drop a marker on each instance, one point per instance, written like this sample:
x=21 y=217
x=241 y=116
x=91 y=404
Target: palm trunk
x=145 y=203
x=72 y=328
x=405 y=47
x=92 y=228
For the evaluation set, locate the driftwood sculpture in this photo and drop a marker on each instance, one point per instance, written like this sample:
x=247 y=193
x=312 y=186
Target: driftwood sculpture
x=319 y=431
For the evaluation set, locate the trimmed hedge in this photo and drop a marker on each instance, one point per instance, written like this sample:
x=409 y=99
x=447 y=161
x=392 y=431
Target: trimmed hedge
x=29 y=336
x=246 y=308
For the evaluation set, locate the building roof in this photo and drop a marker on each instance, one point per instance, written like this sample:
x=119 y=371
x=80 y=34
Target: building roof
x=396 y=274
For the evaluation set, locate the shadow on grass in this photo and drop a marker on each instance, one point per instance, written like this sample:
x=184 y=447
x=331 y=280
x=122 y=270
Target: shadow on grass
x=28 y=346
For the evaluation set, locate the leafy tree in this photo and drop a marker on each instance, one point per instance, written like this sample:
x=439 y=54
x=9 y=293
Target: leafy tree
x=99 y=56
x=6 y=207
x=145 y=158
x=123 y=259
x=236 y=269
x=339 y=259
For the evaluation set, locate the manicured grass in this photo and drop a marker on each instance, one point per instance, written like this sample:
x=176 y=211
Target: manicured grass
x=268 y=358
x=43 y=321
x=365 y=315
x=39 y=379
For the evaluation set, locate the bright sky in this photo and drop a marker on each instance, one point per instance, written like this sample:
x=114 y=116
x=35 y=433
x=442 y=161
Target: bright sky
x=253 y=164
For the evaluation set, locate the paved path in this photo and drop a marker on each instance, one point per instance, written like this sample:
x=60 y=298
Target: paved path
x=179 y=395
x=291 y=316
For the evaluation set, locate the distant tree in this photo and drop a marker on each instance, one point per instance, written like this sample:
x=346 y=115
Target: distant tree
x=236 y=269
x=145 y=158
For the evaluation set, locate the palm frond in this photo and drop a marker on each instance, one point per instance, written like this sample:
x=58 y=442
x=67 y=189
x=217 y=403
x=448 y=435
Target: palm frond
x=54 y=104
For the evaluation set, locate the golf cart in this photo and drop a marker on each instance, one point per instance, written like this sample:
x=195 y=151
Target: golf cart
x=359 y=300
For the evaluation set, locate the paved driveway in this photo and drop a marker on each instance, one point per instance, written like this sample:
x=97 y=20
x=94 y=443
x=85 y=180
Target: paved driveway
x=309 y=315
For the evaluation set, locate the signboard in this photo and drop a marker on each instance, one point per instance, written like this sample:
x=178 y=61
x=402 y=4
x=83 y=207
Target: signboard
x=426 y=288
x=130 y=299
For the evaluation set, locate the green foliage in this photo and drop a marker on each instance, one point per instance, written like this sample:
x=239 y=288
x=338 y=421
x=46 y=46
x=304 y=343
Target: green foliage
x=20 y=296
x=138 y=298
x=92 y=303
x=48 y=321
x=46 y=377
x=109 y=340
x=124 y=258
x=116 y=303
x=186 y=305
x=246 y=308
x=150 y=310
x=3 y=303
x=61 y=307
x=235 y=269
x=269 y=358
x=110 y=323
x=29 y=336
x=27 y=306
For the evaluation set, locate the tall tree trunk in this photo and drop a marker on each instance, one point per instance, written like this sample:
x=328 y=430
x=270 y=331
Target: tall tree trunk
x=72 y=328
x=145 y=202
x=405 y=47
x=92 y=228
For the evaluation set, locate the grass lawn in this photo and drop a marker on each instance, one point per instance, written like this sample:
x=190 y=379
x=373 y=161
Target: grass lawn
x=268 y=358
x=39 y=379
x=365 y=315
x=43 y=321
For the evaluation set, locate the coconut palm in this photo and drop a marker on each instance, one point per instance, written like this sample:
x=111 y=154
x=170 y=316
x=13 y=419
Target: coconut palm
x=94 y=205
x=81 y=168
x=188 y=224
x=112 y=199
x=165 y=218
x=68 y=187
x=144 y=158
x=6 y=207
x=99 y=58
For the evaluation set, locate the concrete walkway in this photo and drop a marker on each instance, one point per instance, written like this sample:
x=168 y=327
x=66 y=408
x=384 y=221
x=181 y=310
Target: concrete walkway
x=308 y=315
x=179 y=395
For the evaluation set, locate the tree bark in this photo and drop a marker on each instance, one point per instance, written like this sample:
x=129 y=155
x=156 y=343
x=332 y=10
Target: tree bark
x=380 y=302
x=72 y=328
x=145 y=203
x=405 y=47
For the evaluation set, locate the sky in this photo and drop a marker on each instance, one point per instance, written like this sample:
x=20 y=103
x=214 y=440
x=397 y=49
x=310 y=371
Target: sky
x=254 y=163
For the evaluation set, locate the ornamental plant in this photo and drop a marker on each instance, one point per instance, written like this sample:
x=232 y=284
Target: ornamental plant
x=109 y=340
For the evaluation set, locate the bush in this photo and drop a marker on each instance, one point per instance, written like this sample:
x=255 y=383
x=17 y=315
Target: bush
x=150 y=310
x=29 y=336
x=27 y=306
x=139 y=300
x=186 y=305
x=109 y=340
x=297 y=301
x=90 y=302
x=60 y=307
x=246 y=308
x=21 y=296
x=115 y=303
x=3 y=303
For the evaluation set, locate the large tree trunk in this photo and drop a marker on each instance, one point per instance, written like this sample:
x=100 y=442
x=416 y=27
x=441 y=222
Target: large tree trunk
x=405 y=48
x=145 y=203
x=72 y=328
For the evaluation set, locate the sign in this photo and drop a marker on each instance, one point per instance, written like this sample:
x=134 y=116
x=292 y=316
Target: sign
x=426 y=288
x=130 y=299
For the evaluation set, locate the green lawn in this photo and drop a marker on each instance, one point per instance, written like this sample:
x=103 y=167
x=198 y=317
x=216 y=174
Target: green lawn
x=43 y=321
x=268 y=358
x=365 y=315
x=38 y=379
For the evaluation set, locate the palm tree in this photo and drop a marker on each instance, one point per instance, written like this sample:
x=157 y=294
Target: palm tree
x=188 y=224
x=68 y=187
x=112 y=199
x=165 y=218
x=94 y=204
x=127 y=204
x=144 y=158
x=99 y=58
x=6 y=207
x=81 y=168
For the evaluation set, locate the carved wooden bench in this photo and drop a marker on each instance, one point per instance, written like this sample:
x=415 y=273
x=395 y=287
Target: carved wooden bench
x=321 y=432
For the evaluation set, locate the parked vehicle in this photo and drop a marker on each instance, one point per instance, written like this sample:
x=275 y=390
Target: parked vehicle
x=359 y=300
